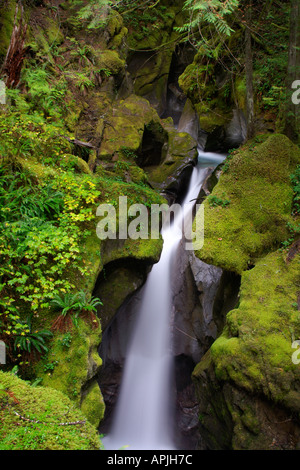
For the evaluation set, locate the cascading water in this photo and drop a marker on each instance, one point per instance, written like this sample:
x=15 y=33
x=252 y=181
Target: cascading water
x=143 y=417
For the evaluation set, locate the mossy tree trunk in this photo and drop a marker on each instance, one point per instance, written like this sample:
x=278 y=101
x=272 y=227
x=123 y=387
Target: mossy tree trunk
x=293 y=73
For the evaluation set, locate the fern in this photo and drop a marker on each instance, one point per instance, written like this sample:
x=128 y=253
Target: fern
x=94 y=13
x=211 y=12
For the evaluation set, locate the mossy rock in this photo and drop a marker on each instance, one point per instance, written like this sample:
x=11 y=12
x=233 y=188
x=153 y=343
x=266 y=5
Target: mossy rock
x=116 y=30
x=247 y=213
x=109 y=62
x=122 y=281
x=125 y=126
x=255 y=349
x=151 y=76
x=248 y=379
x=75 y=163
x=72 y=361
x=211 y=118
x=147 y=251
x=92 y=404
x=199 y=83
x=152 y=36
x=114 y=23
x=182 y=151
x=40 y=418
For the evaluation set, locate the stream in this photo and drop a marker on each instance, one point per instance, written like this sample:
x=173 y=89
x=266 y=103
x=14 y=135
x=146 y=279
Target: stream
x=143 y=414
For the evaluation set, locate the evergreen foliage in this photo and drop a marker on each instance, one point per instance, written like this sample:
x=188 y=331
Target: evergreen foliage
x=212 y=12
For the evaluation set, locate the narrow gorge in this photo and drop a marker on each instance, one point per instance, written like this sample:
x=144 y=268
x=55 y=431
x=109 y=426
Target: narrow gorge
x=138 y=342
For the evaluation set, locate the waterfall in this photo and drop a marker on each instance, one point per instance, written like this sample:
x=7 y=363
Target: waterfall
x=143 y=414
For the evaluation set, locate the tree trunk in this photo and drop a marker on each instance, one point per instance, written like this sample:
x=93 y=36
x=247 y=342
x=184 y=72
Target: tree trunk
x=249 y=72
x=292 y=117
x=15 y=55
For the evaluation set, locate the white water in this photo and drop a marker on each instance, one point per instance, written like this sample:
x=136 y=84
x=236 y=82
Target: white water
x=143 y=418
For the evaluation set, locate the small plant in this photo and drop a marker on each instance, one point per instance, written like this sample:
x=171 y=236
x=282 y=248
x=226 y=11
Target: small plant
x=81 y=81
x=226 y=164
x=85 y=54
x=29 y=341
x=66 y=340
x=93 y=14
x=86 y=303
x=128 y=153
x=67 y=305
x=215 y=201
x=72 y=306
x=49 y=367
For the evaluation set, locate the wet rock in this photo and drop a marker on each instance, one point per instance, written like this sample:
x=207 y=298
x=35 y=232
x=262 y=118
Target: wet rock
x=226 y=137
x=189 y=121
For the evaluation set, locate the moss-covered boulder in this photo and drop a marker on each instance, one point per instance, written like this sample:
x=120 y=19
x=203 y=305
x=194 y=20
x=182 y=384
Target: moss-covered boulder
x=92 y=404
x=250 y=366
x=72 y=364
x=247 y=213
x=109 y=62
x=124 y=126
x=257 y=340
x=41 y=418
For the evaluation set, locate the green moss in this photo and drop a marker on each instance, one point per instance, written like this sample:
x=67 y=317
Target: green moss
x=122 y=282
x=92 y=405
x=68 y=367
x=42 y=39
x=118 y=39
x=109 y=61
x=240 y=92
x=126 y=126
x=249 y=368
x=141 y=250
x=7 y=13
x=254 y=350
x=114 y=23
x=50 y=408
x=257 y=184
x=211 y=117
